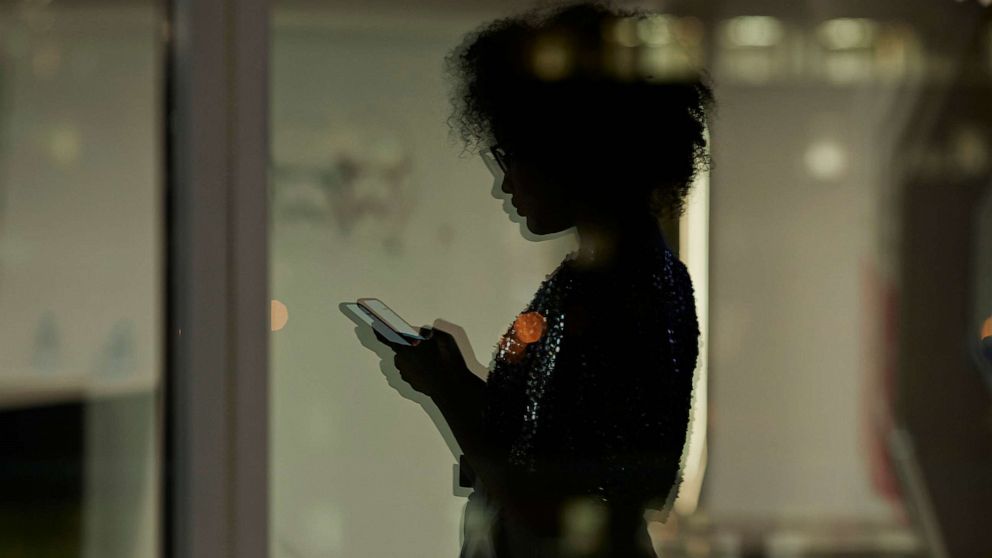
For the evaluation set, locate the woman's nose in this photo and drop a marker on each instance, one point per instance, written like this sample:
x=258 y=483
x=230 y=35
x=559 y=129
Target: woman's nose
x=505 y=185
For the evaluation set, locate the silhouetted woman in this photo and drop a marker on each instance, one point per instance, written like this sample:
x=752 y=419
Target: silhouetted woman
x=582 y=421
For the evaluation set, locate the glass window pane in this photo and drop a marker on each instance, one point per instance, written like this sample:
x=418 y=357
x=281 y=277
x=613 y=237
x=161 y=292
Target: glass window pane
x=371 y=199
x=80 y=278
x=837 y=246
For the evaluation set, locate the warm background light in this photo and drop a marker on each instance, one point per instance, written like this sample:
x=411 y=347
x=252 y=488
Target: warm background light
x=987 y=328
x=278 y=315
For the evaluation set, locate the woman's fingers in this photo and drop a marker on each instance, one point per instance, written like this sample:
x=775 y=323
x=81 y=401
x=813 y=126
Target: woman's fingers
x=422 y=365
x=458 y=346
x=391 y=344
x=378 y=336
x=446 y=346
x=412 y=371
x=449 y=350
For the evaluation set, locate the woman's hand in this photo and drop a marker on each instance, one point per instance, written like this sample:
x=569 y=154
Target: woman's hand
x=432 y=365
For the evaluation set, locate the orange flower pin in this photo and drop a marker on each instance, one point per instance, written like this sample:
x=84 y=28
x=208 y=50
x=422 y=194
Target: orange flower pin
x=527 y=329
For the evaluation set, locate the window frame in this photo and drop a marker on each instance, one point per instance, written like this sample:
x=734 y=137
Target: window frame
x=216 y=404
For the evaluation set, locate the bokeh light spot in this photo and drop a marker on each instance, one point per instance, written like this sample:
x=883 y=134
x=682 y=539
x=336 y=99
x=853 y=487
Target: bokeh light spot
x=826 y=160
x=754 y=31
x=552 y=58
x=65 y=145
x=278 y=315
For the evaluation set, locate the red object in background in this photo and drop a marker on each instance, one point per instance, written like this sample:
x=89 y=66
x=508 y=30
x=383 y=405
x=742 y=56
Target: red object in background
x=987 y=339
x=880 y=389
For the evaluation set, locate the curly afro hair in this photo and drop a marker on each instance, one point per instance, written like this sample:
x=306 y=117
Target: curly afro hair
x=574 y=91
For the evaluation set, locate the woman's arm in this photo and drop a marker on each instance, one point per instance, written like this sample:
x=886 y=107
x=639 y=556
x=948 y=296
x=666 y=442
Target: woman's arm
x=437 y=368
x=532 y=499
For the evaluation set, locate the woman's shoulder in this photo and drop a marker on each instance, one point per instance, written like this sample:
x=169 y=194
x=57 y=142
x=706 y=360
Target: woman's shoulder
x=630 y=302
x=651 y=275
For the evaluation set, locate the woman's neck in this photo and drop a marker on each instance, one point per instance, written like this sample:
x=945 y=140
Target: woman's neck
x=602 y=239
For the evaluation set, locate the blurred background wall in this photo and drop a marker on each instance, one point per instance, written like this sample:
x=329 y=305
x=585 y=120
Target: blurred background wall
x=80 y=279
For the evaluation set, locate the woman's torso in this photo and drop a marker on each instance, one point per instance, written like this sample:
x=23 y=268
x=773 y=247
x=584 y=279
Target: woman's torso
x=607 y=384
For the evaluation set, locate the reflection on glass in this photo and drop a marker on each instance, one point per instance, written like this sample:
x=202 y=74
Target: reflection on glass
x=79 y=279
x=826 y=171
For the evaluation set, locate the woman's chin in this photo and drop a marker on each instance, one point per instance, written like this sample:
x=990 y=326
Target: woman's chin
x=534 y=226
x=537 y=228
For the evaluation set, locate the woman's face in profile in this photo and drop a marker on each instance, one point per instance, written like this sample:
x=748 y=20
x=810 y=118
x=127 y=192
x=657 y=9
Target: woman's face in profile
x=541 y=200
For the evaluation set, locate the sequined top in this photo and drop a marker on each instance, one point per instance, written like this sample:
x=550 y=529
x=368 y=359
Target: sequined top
x=604 y=393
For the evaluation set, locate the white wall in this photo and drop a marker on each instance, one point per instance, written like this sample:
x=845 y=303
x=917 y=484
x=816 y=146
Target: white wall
x=791 y=262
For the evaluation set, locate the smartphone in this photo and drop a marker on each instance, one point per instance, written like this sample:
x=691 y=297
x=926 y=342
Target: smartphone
x=375 y=314
x=393 y=321
x=361 y=316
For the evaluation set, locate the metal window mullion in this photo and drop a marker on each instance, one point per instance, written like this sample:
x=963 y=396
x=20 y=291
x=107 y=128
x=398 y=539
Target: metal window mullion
x=251 y=269
x=217 y=383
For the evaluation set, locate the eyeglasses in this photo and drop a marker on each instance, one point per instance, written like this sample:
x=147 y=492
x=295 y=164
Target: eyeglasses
x=496 y=160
